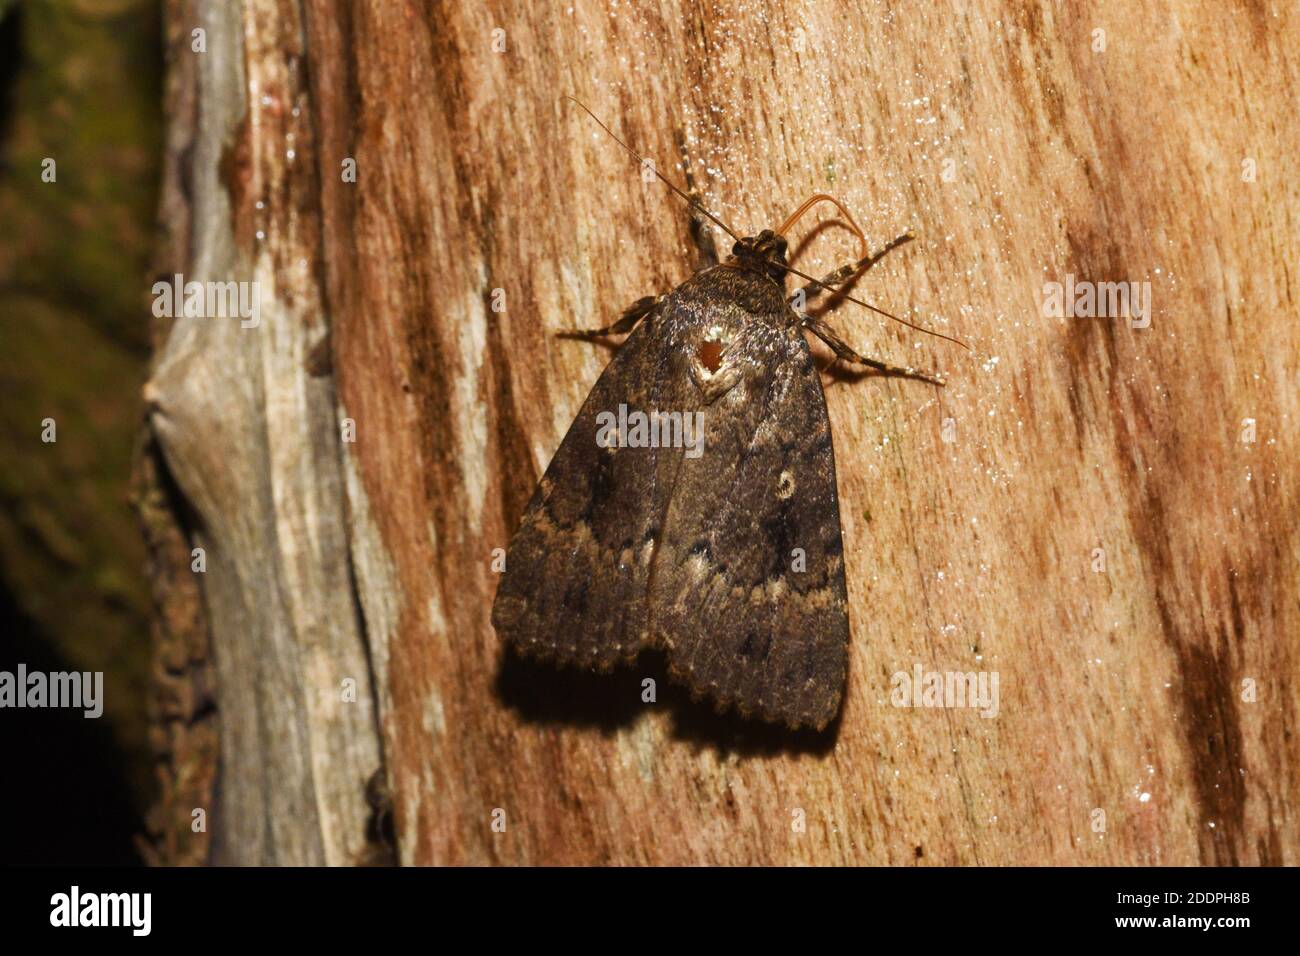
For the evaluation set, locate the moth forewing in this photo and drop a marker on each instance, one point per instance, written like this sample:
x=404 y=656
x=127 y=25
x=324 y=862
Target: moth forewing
x=729 y=561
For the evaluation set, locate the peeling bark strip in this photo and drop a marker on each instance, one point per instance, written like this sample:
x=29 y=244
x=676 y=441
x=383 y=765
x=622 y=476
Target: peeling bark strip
x=183 y=718
x=250 y=436
x=1083 y=509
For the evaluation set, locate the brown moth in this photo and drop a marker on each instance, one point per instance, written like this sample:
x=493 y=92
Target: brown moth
x=726 y=555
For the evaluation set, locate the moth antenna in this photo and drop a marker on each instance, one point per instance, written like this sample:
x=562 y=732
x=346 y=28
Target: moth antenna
x=814 y=200
x=689 y=201
x=867 y=305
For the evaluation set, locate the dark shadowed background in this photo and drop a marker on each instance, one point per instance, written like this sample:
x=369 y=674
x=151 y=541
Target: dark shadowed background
x=79 y=83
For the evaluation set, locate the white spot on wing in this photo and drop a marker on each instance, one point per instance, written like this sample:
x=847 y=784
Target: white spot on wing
x=785 y=486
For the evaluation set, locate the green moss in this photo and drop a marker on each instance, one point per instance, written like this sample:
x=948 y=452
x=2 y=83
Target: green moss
x=74 y=280
x=87 y=96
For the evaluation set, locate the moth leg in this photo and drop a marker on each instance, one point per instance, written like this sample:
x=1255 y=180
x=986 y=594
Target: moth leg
x=633 y=314
x=843 y=351
x=702 y=236
x=852 y=269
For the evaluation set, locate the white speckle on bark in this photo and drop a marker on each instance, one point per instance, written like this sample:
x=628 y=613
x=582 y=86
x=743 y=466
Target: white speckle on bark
x=468 y=411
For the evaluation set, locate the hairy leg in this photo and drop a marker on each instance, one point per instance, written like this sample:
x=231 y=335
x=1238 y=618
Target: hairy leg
x=843 y=351
x=847 y=271
x=633 y=314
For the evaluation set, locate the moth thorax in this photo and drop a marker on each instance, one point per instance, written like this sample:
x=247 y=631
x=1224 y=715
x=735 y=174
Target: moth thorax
x=764 y=253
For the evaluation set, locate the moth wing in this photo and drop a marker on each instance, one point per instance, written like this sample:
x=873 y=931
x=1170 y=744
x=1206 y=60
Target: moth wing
x=576 y=574
x=748 y=585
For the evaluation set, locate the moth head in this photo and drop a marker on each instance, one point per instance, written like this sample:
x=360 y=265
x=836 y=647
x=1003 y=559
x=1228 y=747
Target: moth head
x=764 y=253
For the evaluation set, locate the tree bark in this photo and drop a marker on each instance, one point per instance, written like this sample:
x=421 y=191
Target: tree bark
x=1102 y=514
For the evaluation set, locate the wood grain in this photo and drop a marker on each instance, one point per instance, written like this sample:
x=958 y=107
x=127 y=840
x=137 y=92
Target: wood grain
x=1121 y=691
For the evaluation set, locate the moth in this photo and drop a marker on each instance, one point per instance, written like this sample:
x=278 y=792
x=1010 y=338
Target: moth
x=730 y=561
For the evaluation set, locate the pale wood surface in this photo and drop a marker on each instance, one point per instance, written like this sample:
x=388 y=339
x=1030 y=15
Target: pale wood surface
x=1121 y=691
